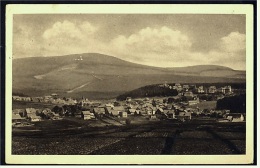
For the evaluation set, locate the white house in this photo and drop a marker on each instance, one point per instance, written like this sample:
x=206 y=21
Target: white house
x=235 y=117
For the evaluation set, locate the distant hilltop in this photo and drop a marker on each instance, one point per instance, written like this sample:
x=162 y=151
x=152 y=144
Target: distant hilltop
x=93 y=72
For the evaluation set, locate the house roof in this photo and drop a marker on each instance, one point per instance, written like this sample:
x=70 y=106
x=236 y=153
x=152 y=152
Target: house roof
x=33 y=116
x=30 y=110
x=132 y=110
x=119 y=108
x=16 y=117
x=234 y=115
x=46 y=110
x=160 y=109
x=188 y=94
x=86 y=113
x=99 y=110
x=115 y=110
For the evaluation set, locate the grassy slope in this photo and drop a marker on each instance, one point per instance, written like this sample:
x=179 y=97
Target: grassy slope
x=102 y=74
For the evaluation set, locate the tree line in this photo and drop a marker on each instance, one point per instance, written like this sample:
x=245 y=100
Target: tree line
x=149 y=91
x=236 y=104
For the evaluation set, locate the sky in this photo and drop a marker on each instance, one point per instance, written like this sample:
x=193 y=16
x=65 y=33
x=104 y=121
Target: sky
x=162 y=40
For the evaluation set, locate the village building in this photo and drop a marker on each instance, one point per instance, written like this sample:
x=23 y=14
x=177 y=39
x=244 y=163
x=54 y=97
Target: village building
x=183 y=116
x=186 y=88
x=20 y=112
x=152 y=117
x=87 y=115
x=169 y=106
x=193 y=102
x=59 y=101
x=123 y=114
x=46 y=111
x=71 y=101
x=128 y=99
x=212 y=89
x=178 y=87
x=192 y=87
x=33 y=117
x=84 y=101
x=169 y=113
x=17 y=98
x=30 y=111
x=159 y=111
x=98 y=110
x=133 y=111
x=188 y=95
x=95 y=104
x=115 y=110
x=26 y=99
x=109 y=105
x=235 y=117
x=56 y=117
x=201 y=89
x=47 y=97
x=226 y=89
x=35 y=99
x=54 y=95
x=17 y=118
x=148 y=111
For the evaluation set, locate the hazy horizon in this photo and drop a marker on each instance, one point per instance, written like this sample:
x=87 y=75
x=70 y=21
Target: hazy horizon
x=160 y=40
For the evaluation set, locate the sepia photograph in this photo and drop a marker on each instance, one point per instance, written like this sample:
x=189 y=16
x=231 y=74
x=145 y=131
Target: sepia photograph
x=129 y=84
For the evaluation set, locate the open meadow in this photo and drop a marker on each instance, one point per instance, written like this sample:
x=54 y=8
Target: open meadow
x=69 y=137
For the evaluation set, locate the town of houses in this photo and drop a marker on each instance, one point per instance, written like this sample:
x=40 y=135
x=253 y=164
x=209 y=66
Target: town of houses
x=181 y=107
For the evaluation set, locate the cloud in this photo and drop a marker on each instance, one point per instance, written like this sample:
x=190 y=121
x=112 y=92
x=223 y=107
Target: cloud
x=154 y=40
x=160 y=46
x=68 y=38
x=61 y=38
x=152 y=43
x=234 y=42
x=67 y=29
x=166 y=47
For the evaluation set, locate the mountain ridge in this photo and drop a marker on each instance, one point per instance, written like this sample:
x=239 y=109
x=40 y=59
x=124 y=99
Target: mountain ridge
x=207 y=66
x=92 y=72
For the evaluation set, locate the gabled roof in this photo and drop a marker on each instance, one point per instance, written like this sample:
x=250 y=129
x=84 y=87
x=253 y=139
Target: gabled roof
x=87 y=113
x=119 y=108
x=132 y=110
x=99 y=110
x=30 y=110
x=160 y=109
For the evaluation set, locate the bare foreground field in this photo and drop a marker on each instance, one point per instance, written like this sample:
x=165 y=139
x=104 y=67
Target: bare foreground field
x=151 y=138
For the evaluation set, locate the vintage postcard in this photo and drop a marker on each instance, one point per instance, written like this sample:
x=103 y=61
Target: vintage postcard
x=129 y=84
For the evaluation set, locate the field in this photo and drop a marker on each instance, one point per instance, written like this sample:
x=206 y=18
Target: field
x=37 y=105
x=205 y=105
x=69 y=137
